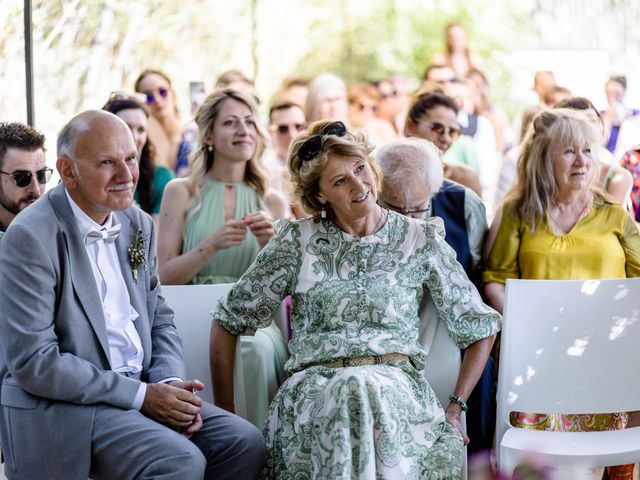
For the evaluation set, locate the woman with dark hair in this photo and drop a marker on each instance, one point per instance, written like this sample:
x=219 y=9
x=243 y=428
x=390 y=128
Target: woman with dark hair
x=153 y=178
x=172 y=141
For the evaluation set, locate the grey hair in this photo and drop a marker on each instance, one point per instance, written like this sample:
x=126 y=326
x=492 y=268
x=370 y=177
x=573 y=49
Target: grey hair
x=66 y=144
x=408 y=158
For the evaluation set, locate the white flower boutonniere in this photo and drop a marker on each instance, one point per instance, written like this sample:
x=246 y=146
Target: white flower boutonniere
x=138 y=254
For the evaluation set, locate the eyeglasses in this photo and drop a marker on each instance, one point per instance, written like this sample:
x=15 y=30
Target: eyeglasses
x=440 y=129
x=151 y=95
x=23 y=177
x=415 y=213
x=312 y=146
x=284 y=129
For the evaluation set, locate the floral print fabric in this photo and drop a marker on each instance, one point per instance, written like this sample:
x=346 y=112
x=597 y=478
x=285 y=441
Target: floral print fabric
x=352 y=297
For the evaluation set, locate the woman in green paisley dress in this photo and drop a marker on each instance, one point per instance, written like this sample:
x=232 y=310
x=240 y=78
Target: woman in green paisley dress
x=214 y=222
x=356 y=404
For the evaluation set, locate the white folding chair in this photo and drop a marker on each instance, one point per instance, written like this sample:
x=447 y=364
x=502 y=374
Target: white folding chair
x=443 y=358
x=192 y=306
x=569 y=347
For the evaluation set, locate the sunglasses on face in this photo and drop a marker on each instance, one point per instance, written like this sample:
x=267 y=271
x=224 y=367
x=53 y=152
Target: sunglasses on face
x=440 y=129
x=284 y=129
x=23 y=177
x=151 y=96
x=313 y=146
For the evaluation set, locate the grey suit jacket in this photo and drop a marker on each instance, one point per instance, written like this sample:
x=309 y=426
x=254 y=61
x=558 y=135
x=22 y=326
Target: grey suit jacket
x=54 y=354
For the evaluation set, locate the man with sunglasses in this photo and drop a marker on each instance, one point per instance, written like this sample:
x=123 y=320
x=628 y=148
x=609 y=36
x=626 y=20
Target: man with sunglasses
x=286 y=121
x=23 y=173
x=91 y=364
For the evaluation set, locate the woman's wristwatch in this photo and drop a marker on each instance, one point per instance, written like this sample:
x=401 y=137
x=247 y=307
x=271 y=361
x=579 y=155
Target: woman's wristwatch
x=459 y=401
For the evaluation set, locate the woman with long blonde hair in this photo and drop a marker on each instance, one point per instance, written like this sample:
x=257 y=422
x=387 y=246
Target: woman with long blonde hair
x=214 y=222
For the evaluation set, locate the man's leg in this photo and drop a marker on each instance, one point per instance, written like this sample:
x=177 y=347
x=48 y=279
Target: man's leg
x=127 y=445
x=233 y=447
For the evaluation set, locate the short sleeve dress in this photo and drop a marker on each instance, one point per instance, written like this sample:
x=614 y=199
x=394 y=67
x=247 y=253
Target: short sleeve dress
x=353 y=297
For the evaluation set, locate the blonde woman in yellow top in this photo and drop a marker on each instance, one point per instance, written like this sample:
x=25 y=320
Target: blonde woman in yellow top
x=554 y=224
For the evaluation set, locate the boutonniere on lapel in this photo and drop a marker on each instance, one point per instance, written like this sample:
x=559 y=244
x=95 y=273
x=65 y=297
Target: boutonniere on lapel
x=138 y=254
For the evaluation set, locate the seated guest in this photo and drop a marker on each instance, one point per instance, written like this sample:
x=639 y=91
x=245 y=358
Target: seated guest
x=433 y=116
x=172 y=140
x=555 y=225
x=214 y=222
x=410 y=169
x=91 y=363
x=357 y=405
x=153 y=178
x=23 y=169
x=412 y=184
x=286 y=120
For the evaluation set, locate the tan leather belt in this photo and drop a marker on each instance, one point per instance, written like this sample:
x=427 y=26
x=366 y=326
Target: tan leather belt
x=366 y=360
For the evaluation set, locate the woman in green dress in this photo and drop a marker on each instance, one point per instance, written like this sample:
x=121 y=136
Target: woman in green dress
x=356 y=404
x=215 y=221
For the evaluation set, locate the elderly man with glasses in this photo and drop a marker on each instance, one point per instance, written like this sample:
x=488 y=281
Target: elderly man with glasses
x=413 y=184
x=23 y=173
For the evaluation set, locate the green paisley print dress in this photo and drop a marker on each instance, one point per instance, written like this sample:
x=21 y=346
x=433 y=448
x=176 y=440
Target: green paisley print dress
x=350 y=297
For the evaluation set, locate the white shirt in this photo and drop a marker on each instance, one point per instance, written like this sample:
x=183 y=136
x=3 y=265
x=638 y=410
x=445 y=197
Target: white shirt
x=125 y=347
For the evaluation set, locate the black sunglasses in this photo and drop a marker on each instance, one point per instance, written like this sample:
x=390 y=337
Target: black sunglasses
x=312 y=146
x=23 y=177
x=284 y=129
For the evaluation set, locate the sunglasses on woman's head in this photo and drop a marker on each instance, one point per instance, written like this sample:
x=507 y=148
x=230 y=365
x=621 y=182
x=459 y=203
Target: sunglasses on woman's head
x=151 y=97
x=312 y=146
x=23 y=177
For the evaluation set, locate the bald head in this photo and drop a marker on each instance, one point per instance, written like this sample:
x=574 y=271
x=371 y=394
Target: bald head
x=91 y=122
x=98 y=163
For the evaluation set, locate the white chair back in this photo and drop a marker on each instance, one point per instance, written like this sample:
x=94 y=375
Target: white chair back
x=569 y=346
x=192 y=305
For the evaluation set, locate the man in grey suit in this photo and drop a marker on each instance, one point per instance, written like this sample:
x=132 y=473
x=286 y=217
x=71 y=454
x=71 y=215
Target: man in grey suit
x=90 y=361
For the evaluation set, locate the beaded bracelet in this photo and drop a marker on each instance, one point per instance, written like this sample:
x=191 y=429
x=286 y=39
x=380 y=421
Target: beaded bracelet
x=459 y=401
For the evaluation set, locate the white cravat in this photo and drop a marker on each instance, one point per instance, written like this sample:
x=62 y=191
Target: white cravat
x=125 y=347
